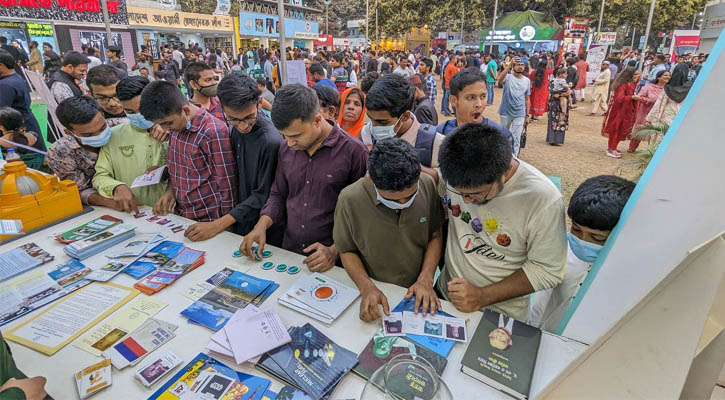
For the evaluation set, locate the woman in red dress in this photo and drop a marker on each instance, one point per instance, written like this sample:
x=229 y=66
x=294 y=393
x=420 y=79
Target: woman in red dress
x=619 y=120
x=539 y=89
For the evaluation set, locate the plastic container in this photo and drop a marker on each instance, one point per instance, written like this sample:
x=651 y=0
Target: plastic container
x=406 y=377
x=11 y=155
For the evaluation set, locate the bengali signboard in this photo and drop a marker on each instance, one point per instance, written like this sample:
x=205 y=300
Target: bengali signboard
x=255 y=24
x=157 y=18
x=64 y=10
x=605 y=38
x=576 y=27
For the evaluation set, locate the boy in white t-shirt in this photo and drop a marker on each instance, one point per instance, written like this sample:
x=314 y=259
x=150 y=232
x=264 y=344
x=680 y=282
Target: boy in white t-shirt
x=507 y=228
x=594 y=210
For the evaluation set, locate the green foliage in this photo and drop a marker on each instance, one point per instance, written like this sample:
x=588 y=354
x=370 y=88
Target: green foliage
x=198 y=6
x=653 y=134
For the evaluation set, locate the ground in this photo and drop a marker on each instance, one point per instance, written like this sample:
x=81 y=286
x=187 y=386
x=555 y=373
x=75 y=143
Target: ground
x=581 y=157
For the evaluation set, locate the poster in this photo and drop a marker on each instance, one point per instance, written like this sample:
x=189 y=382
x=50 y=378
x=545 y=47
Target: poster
x=296 y=72
x=605 y=38
x=576 y=27
x=98 y=40
x=222 y=7
x=684 y=42
x=14 y=31
x=41 y=33
x=595 y=56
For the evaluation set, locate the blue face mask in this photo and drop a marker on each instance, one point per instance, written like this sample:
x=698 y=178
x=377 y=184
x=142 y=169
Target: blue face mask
x=394 y=205
x=99 y=140
x=585 y=251
x=139 y=121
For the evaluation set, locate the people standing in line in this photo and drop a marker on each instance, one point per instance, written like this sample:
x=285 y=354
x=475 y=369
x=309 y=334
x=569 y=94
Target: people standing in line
x=95 y=61
x=404 y=69
x=619 y=119
x=515 y=101
x=352 y=114
x=114 y=58
x=539 y=78
x=63 y=82
x=13 y=52
x=15 y=93
x=51 y=64
x=177 y=55
x=426 y=70
x=319 y=75
x=601 y=89
x=491 y=73
x=572 y=78
x=649 y=95
x=581 y=69
x=680 y=73
x=658 y=64
x=668 y=105
x=168 y=70
x=268 y=67
x=424 y=109
x=559 y=101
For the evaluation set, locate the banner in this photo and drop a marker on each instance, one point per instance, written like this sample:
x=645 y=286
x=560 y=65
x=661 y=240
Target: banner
x=605 y=38
x=65 y=10
x=296 y=72
x=178 y=19
x=576 y=27
x=684 y=41
x=595 y=56
x=254 y=24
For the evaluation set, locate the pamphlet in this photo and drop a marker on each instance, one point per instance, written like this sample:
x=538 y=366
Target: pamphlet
x=149 y=179
x=94 y=378
x=320 y=296
x=84 y=248
x=22 y=259
x=144 y=340
x=154 y=258
x=12 y=227
x=88 y=229
x=157 y=368
x=60 y=324
x=256 y=334
x=118 y=325
x=439 y=326
x=440 y=346
x=140 y=244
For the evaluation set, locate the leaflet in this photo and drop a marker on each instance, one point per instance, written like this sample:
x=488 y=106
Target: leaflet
x=21 y=259
x=141 y=342
x=255 y=335
x=149 y=179
x=71 y=316
x=94 y=378
x=407 y=322
x=11 y=227
x=114 y=328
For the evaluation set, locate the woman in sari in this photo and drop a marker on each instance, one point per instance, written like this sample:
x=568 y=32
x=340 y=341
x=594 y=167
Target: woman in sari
x=649 y=95
x=559 y=105
x=539 y=89
x=352 y=114
x=619 y=119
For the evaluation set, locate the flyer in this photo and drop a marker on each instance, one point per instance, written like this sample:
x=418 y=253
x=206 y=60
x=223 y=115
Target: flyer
x=149 y=179
x=439 y=326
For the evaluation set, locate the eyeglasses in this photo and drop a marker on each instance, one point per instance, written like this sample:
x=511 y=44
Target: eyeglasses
x=472 y=196
x=106 y=99
x=248 y=120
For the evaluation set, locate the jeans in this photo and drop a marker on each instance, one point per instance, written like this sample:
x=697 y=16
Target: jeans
x=444 y=104
x=489 y=92
x=516 y=126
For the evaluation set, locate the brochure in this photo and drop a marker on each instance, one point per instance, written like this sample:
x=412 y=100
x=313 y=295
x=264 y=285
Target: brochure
x=321 y=297
x=82 y=249
x=256 y=334
x=94 y=378
x=88 y=229
x=11 y=227
x=154 y=258
x=151 y=335
x=441 y=346
x=408 y=322
x=149 y=179
x=22 y=259
x=152 y=371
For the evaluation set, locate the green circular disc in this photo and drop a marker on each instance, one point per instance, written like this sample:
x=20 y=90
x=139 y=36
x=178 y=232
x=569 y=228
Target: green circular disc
x=282 y=268
x=268 y=265
x=293 y=270
x=266 y=254
x=237 y=254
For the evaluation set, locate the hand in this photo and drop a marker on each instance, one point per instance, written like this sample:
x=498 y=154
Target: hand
x=322 y=257
x=33 y=388
x=257 y=235
x=165 y=204
x=516 y=60
x=464 y=296
x=370 y=298
x=151 y=169
x=202 y=231
x=124 y=199
x=636 y=98
x=425 y=296
x=527 y=119
x=158 y=133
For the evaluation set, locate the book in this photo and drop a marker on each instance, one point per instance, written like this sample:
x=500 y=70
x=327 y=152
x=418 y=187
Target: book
x=408 y=322
x=153 y=259
x=84 y=248
x=157 y=368
x=194 y=377
x=94 y=378
x=167 y=273
x=382 y=348
x=320 y=296
x=502 y=354
x=311 y=362
x=441 y=346
x=21 y=259
x=88 y=229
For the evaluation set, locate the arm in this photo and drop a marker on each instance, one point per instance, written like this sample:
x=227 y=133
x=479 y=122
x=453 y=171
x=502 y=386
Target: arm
x=7 y=96
x=266 y=105
x=503 y=74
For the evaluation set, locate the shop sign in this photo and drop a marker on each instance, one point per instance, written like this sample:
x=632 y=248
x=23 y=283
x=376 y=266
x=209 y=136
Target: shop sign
x=12 y=25
x=505 y=34
x=254 y=24
x=305 y=35
x=36 y=29
x=576 y=27
x=178 y=19
x=64 y=10
x=605 y=38
x=270 y=9
x=527 y=33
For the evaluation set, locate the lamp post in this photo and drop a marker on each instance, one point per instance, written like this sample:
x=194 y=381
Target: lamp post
x=282 y=48
x=376 y=26
x=646 y=31
x=367 y=22
x=493 y=28
x=107 y=23
x=601 y=17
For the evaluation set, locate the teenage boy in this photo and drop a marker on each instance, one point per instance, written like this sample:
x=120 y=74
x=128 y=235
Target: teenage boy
x=130 y=152
x=317 y=161
x=594 y=210
x=203 y=82
x=102 y=81
x=388 y=228
x=506 y=230
x=424 y=109
x=319 y=75
x=202 y=168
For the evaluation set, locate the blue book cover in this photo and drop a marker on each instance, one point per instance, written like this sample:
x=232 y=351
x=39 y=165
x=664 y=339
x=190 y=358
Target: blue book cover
x=154 y=258
x=440 y=346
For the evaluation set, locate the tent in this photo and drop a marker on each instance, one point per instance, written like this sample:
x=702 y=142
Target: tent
x=524 y=30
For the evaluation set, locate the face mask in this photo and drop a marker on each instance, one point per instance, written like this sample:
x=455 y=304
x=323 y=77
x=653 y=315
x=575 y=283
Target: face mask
x=188 y=122
x=99 y=140
x=394 y=205
x=384 y=132
x=583 y=250
x=208 y=91
x=139 y=121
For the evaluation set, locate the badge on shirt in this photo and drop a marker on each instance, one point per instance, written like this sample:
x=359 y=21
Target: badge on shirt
x=127 y=151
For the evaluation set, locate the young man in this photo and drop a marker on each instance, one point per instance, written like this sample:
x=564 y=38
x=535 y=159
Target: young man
x=102 y=81
x=62 y=83
x=400 y=213
x=168 y=70
x=114 y=56
x=581 y=69
x=425 y=110
x=130 y=152
x=202 y=168
x=316 y=162
x=202 y=81
x=35 y=63
x=339 y=73
x=255 y=143
x=426 y=70
x=74 y=155
x=404 y=70
x=451 y=69
x=491 y=73
x=320 y=77
x=515 y=103
x=389 y=107
x=601 y=89
x=468 y=95
x=329 y=99
x=95 y=61
x=594 y=210
x=268 y=67
x=15 y=93
x=507 y=230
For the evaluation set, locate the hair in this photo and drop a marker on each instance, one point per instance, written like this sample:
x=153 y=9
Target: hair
x=3 y=40
x=115 y=50
x=660 y=56
x=103 y=75
x=193 y=70
x=474 y=155
x=317 y=69
x=159 y=99
x=337 y=57
x=559 y=70
x=327 y=96
x=7 y=59
x=582 y=56
x=461 y=79
x=48 y=44
x=238 y=92
x=658 y=76
x=130 y=87
x=392 y=93
x=262 y=81
x=624 y=77
x=393 y=165
x=598 y=202
x=11 y=119
x=428 y=62
x=35 y=43
x=294 y=102
x=75 y=59
x=77 y=110
x=540 y=74
x=367 y=82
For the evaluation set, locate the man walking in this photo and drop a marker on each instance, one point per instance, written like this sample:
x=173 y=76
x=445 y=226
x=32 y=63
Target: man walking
x=491 y=69
x=515 y=104
x=601 y=89
x=426 y=69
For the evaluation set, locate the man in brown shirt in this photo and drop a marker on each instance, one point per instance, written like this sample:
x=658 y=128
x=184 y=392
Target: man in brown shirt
x=388 y=228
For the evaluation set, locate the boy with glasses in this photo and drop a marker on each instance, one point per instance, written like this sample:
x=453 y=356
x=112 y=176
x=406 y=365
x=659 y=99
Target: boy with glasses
x=102 y=81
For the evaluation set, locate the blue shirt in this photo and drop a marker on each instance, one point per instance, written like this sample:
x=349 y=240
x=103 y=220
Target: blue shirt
x=513 y=101
x=325 y=81
x=653 y=72
x=15 y=93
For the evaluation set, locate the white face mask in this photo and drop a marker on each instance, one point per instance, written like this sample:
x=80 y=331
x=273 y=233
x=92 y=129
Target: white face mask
x=384 y=132
x=394 y=205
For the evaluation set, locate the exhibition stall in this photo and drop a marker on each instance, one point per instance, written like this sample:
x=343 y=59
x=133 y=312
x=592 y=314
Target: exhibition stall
x=531 y=31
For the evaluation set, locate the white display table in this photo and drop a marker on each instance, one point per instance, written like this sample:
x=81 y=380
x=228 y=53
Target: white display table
x=348 y=331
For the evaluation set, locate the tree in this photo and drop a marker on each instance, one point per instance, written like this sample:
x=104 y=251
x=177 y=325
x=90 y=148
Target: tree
x=340 y=11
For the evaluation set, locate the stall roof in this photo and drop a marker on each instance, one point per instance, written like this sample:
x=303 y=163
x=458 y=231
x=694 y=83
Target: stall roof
x=545 y=26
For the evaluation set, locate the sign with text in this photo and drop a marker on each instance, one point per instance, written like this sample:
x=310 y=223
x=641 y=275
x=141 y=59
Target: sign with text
x=64 y=10
x=178 y=19
x=254 y=24
x=576 y=27
x=605 y=38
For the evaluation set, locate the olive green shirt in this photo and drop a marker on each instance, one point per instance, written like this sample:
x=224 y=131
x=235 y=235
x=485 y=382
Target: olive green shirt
x=8 y=370
x=391 y=243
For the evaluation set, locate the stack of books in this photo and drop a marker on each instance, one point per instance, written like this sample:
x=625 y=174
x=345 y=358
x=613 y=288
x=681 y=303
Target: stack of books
x=88 y=229
x=319 y=297
x=82 y=249
x=311 y=362
x=167 y=273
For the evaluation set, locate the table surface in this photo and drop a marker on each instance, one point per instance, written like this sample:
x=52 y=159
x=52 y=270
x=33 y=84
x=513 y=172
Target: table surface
x=555 y=352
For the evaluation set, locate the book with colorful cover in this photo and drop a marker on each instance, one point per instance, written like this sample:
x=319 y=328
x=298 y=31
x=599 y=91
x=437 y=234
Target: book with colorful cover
x=243 y=387
x=440 y=346
x=88 y=229
x=382 y=348
x=154 y=258
x=186 y=261
x=21 y=259
x=502 y=354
